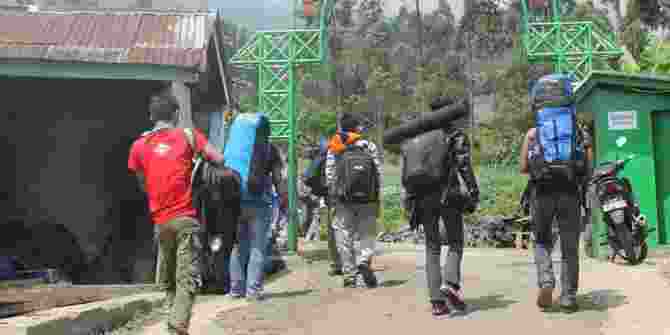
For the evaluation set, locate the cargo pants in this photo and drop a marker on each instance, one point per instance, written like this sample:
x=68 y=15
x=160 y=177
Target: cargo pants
x=180 y=271
x=561 y=204
x=352 y=219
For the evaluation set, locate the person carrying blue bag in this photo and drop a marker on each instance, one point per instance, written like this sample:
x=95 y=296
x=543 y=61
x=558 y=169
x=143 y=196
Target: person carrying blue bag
x=259 y=163
x=555 y=154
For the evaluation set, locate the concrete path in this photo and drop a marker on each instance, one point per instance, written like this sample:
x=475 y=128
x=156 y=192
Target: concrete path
x=499 y=287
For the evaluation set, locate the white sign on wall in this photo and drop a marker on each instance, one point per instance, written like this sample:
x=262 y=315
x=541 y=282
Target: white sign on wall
x=622 y=120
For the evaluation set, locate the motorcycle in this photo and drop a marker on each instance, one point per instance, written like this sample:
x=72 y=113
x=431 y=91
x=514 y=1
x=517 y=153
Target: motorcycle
x=626 y=228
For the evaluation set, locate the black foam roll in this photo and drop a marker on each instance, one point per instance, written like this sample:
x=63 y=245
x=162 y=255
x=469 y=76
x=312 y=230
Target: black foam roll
x=441 y=102
x=426 y=122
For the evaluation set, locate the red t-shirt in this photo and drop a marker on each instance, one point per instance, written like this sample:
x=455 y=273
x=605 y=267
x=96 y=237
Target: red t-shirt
x=165 y=159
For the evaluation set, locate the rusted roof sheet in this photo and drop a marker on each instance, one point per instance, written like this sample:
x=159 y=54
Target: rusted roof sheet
x=138 y=38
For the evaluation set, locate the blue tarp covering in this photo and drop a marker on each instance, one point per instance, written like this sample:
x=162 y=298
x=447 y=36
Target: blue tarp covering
x=216 y=130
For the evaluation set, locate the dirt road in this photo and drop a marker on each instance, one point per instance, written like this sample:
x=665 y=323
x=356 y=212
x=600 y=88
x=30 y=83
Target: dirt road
x=499 y=287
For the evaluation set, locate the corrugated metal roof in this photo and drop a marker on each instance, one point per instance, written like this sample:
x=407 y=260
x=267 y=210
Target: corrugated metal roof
x=144 y=38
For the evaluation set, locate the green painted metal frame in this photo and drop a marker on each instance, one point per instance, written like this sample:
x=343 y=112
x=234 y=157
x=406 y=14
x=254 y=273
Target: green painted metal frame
x=570 y=46
x=275 y=55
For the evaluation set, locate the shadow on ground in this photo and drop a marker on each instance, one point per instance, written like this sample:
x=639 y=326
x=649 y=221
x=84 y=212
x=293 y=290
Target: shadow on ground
x=317 y=255
x=216 y=289
x=290 y=294
x=597 y=300
x=489 y=302
x=392 y=283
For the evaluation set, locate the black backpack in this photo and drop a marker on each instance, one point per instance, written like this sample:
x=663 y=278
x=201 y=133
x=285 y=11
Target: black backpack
x=357 y=179
x=315 y=177
x=424 y=161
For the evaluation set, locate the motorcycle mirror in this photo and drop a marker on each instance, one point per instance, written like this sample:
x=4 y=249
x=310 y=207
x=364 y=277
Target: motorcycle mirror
x=621 y=141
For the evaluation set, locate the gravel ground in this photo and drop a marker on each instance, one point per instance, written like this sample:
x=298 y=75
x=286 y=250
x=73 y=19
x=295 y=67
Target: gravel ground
x=499 y=287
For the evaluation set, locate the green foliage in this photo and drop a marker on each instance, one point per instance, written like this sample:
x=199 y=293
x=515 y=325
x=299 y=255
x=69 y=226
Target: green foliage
x=496 y=147
x=393 y=217
x=500 y=190
x=655 y=58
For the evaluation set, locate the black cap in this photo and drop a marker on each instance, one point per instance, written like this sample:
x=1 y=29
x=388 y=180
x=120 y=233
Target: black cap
x=349 y=122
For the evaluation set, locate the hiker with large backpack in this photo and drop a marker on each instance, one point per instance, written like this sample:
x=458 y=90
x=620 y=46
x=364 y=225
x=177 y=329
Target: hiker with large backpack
x=312 y=187
x=439 y=185
x=554 y=156
x=162 y=161
x=316 y=182
x=259 y=163
x=353 y=173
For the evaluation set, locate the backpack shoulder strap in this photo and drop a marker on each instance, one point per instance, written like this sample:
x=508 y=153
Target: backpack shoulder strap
x=190 y=138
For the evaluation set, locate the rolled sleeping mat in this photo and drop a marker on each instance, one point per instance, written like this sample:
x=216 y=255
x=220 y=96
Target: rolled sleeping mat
x=427 y=122
x=441 y=102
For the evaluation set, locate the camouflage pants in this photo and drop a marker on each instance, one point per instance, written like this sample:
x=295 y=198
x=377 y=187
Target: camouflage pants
x=180 y=269
x=351 y=221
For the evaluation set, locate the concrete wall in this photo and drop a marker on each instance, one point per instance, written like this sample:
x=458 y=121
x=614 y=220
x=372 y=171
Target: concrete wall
x=66 y=149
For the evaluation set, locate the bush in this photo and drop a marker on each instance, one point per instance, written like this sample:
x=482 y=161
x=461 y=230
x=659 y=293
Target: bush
x=500 y=190
x=393 y=217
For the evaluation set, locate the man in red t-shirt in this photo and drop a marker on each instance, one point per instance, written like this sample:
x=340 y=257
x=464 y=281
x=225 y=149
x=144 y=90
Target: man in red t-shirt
x=162 y=160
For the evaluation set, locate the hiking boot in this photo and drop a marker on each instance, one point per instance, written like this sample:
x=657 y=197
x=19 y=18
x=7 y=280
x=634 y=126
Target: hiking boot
x=440 y=308
x=455 y=297
x=369 y=277
x=569 y=304
x=544 y=297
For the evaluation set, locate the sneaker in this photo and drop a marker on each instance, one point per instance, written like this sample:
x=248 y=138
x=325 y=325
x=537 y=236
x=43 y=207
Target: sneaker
x=234 y=295
x=455 y=297
x=544 y=297
x=440 y=308
x=368 y=276
x=255 y=297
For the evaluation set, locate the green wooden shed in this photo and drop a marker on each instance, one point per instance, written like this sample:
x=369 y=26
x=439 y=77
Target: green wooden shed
x=637 y=107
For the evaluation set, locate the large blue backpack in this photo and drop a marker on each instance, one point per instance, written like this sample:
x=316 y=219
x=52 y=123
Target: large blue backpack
x=557 y=156
x=248 y=152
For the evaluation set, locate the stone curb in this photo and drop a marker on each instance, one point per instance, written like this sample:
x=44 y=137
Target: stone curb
x=86 y=319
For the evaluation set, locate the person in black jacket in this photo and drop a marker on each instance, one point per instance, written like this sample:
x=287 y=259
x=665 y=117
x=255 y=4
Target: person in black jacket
x=446 y=204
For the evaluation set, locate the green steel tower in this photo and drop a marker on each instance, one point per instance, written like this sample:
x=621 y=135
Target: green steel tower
x=275 y=55
x=570 y=46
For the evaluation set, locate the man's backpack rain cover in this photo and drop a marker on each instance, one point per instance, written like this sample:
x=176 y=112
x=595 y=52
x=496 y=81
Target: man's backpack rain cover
x=555 y=155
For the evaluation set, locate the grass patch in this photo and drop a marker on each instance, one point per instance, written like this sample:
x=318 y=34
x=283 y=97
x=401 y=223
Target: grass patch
x=500 y=190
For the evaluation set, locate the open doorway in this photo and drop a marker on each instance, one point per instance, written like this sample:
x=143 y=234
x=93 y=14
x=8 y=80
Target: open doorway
x=70 y=202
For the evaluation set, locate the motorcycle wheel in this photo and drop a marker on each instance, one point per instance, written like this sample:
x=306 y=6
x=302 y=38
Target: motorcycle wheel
x=626 y=241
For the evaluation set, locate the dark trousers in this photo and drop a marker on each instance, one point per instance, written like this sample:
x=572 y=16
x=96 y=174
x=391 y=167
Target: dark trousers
x=429 y=210
x=562 y=205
